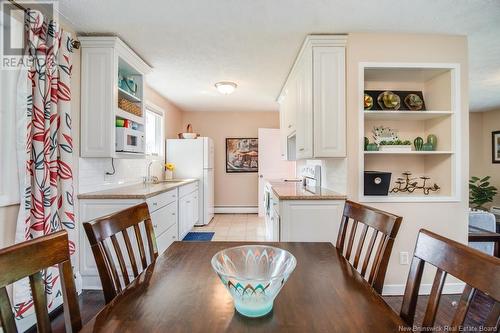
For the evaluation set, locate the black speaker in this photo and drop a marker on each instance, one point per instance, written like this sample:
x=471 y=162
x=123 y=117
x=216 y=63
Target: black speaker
x=377 y=182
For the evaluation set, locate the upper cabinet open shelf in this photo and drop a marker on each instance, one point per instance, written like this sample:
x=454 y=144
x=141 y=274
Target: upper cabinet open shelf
x=112 y=89
x=440 y=88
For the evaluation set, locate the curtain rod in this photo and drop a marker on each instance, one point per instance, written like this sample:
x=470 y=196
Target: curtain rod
x=75 y=44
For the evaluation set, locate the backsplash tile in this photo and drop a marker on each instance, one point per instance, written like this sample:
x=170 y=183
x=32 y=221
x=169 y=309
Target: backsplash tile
x=92 y=171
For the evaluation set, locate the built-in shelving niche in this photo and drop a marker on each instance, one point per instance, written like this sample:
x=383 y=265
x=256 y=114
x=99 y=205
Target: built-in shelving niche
x=440 y=88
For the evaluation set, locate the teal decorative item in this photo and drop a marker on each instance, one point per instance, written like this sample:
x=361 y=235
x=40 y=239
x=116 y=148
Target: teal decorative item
x=372 y=147
x=427 y=147
x=418 y=143
x=253 y=275
x=366 y=142
x=433 y=140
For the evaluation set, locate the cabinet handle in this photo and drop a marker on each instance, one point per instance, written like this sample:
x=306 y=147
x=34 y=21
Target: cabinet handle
x=301 y=149
x=188 y=201
x=155 y=226
x=173 y=237
x=289 y=126
x=173 y=214
x=155 y=204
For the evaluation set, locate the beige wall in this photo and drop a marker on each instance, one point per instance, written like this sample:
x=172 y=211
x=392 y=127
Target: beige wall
x=231 y=189
x=448 y=219
x=481 y=125
x=173 y=115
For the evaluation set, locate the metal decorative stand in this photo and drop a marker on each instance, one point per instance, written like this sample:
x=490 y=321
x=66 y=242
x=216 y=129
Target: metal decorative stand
x=409 y=185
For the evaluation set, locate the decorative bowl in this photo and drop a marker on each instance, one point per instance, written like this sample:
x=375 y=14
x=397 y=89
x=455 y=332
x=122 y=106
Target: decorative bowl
x=253 y=275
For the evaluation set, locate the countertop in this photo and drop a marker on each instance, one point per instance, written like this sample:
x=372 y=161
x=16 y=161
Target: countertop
x=295 y=191
x=137 y=191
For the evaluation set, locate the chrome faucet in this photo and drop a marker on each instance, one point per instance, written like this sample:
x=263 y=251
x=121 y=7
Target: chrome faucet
x=149 y=178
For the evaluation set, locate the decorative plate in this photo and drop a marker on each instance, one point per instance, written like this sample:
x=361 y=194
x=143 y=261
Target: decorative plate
x=389 y=101
x=368 y=102
x=414 y=102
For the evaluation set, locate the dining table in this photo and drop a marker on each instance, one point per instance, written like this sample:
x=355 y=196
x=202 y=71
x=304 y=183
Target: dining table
x=180 y=292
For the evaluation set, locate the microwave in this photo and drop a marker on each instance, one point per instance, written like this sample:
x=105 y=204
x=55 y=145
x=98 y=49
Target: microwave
x=129 y=140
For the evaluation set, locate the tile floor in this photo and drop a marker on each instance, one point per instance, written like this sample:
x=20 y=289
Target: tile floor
x=236 y=227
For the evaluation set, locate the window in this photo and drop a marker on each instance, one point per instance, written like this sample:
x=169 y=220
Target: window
x=154 y=131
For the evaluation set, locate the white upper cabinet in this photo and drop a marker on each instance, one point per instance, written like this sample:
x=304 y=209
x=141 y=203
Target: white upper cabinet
x=313 y=100
x=104 y=59
x=304 y=132
x=329 y=101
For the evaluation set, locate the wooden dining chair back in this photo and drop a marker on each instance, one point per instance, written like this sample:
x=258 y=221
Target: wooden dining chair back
x=29 y=259
x=478 y=270
x=383 y=227
x=107 y=228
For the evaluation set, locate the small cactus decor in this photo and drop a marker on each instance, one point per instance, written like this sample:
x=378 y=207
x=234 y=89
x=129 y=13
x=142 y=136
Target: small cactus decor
x=418 y=143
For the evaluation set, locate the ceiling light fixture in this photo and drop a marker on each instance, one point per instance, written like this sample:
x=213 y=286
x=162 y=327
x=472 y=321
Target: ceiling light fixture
x=226 y=87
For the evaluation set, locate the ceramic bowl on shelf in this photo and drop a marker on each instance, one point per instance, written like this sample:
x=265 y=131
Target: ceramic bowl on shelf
x=253 y=275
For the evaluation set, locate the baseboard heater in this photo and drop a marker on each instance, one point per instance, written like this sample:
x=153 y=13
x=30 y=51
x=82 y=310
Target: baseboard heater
x=236 y=209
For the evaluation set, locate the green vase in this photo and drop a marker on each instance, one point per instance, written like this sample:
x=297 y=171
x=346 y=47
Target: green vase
x=433 y=140
x=366 y=142
x=427 y=147
x=418 y=142
x=371 y=147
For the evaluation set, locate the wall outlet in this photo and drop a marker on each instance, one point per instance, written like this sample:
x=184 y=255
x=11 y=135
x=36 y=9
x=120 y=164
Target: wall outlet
x=404 y=258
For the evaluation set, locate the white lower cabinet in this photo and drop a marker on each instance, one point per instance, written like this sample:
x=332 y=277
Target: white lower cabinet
x=167 y=238
x=172 y=217
x=310 y=220
x=188 y=212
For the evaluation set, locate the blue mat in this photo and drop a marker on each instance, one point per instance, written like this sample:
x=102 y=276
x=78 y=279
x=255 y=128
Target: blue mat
x=199 y=236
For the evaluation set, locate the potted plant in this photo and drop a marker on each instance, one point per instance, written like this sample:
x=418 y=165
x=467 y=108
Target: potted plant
x=395 y=145
x=481 y=192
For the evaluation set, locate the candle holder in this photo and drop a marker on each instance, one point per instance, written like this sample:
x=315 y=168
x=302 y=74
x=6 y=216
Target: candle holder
x=410 y=185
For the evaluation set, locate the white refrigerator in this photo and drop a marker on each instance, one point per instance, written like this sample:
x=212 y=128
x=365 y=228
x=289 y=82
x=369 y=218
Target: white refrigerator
x=194 y=158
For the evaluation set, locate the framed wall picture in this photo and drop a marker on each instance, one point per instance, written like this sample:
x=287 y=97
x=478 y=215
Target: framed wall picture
x=495 y=147
x=242 y=155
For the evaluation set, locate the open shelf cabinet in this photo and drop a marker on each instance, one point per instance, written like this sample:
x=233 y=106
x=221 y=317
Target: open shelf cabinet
x=104 y=58
x=440 y=86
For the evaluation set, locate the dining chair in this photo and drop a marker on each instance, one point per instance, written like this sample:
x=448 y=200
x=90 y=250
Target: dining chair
x=479 y=271
x=377 y=222
x=106 y=228
x=28 y=259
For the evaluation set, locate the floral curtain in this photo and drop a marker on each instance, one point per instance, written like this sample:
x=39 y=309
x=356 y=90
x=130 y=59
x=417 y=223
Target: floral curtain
x=47 y=181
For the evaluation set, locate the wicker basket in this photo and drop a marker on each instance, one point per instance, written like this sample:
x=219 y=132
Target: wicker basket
x=129 y=106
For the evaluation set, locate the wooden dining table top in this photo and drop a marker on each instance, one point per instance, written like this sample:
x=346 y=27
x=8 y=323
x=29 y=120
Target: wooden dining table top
x=180 y=292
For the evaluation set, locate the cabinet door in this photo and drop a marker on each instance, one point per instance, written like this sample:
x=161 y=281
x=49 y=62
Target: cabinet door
x=291 y=105
x=98 y=102
x=196 y=206
x=183 y=217
x=310 y=222
x=329 y=101
x=283 y=129
x=304 y=123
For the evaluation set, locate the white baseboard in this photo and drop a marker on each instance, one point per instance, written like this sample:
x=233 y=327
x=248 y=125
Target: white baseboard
x=236 y=209
x=425 y=289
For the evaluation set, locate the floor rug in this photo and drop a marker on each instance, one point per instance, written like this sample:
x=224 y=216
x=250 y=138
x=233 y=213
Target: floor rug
x=199 y=236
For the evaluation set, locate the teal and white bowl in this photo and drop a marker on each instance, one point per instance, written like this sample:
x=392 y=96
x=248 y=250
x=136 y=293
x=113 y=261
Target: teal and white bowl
x=253 y=275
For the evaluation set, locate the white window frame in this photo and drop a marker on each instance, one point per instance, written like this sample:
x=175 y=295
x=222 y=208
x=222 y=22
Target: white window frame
x=150 y=107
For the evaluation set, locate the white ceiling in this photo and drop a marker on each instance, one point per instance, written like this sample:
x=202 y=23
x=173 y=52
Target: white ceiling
x=194 y=43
